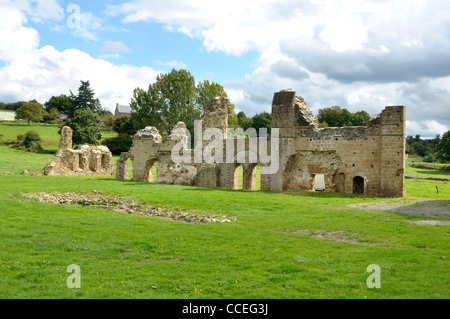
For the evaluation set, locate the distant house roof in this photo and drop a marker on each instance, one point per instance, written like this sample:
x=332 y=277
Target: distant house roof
x=122 y=110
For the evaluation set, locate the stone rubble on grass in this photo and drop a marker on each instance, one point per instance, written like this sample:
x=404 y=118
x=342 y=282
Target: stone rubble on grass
x=123 y=204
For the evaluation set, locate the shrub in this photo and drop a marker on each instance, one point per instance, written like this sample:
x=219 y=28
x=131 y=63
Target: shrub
x=429 y=159
x=119 y=144
x=30 y=142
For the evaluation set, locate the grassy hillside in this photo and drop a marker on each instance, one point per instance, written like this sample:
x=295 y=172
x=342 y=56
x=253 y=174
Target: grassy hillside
x=16 y=160
x=48 y=132
x=282 y=245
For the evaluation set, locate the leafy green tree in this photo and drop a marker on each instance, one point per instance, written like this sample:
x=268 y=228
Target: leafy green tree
x=147 y=109
x=336 y=116
x=108 y=121
x=232 y=118
x=123 y=125
x=84 y=124
x=443 y=148
x=62 y=103
x=205 y=91
x=323 y=125
x=30 y=111
x=360 y=118
x=84 y=100
x=51 y=115
x=172 y=98
x=262 y=120
x=243 y=121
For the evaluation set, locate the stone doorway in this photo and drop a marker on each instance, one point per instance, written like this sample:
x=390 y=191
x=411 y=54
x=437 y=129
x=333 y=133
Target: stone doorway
x=358 y=185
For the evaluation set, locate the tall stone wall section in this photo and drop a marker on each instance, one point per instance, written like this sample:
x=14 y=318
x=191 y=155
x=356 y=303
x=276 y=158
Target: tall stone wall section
x=373 y=155
x=362 y=160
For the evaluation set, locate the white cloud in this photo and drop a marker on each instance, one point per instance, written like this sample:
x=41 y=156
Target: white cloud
x=426 y=129
x=39 y=73
x=357 y=54
x=45 y=10
x=50 y=72
x=89 y=26
x=173 y=64
x=115 y=46
x=40 y=11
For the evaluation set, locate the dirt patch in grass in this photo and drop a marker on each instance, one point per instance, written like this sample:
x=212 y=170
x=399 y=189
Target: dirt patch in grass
x=340 y=236
x=123 y=204
x=411 y=207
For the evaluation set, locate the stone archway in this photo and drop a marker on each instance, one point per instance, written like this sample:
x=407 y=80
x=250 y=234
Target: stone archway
x=148 y=173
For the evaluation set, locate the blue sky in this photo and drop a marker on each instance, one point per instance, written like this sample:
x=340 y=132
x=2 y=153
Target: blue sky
x=359 y=55
x=146 y=43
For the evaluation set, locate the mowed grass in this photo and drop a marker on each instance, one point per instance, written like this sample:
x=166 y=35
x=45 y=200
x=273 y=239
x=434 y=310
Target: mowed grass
x=424 y=172
x=268 y=252
x=264 y=254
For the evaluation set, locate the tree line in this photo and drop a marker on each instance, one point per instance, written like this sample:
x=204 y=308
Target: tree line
x=432 y=150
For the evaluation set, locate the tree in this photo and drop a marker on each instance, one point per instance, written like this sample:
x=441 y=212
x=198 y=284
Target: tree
x=30 y=111
x=174 y=97
x=62 y=103
x=123 y=125
x=262 y=120
x=335 y=116
x=232 y=118
x=243 y=121
x=84 y=100
x=51 y=115
x=443 y=148
x=360 y=118
x=84 y=124
x=205 y=91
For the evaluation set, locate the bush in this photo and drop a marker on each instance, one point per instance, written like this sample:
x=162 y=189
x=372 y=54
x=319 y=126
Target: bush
x=30 y=142
x=123 y=125
x=429 y=159
x=119 y=144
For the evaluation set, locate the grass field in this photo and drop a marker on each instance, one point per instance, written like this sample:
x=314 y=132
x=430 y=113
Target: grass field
x=275 y=248
x=423 y=172
x=18 y=161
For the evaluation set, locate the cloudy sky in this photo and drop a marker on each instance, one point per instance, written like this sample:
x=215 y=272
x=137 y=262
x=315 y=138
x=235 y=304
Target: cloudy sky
x=362 y=55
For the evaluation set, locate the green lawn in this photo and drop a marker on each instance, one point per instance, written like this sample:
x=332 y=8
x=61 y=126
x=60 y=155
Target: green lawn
x=48 y=132
x=271 y=251
x=424 y=172
x=258 y=256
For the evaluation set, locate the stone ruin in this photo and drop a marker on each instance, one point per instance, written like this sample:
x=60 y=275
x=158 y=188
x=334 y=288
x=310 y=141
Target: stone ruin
x=83 y=160
x=367 y=160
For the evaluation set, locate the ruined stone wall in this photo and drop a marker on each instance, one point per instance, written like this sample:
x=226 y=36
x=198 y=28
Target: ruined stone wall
x=84 y=160
x=361 y=160
x=374 y=154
